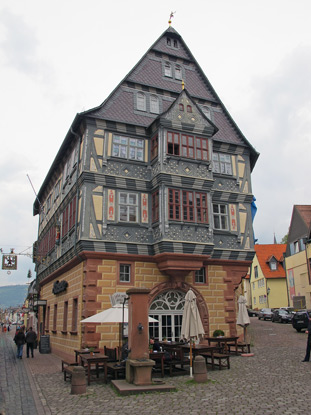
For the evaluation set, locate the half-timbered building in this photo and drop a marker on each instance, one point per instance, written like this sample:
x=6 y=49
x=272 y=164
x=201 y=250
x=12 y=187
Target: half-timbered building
x=152 y=189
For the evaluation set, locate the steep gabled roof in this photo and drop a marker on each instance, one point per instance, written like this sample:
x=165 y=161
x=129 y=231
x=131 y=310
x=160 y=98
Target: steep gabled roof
x=264 y=254
x=299 y=225
x=305 y=213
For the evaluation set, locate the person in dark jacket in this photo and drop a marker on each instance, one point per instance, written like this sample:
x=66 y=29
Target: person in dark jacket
x=307 y=356
x=20 y=340
x=31 y=338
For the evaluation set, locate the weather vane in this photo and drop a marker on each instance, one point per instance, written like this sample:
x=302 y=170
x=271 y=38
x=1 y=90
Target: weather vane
x=171 y=16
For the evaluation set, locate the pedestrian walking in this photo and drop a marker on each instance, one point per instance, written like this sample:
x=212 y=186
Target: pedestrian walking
x=20 y=340
x=307 y=356
x=31 y=337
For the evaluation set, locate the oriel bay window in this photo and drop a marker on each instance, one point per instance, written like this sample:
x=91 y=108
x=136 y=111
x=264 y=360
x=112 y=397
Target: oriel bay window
x=127 y=147
x=187 y=206
x=128 y=207
x=188 y=146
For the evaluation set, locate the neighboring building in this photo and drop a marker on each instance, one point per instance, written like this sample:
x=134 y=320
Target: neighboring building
x=268 y=277
x=298 y=257
x=150 y=189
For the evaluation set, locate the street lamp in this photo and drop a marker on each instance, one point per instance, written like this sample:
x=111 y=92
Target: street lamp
x=268 y=292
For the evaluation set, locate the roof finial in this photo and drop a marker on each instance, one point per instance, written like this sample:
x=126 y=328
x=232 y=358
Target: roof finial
x=171 y=16
x=183 y=84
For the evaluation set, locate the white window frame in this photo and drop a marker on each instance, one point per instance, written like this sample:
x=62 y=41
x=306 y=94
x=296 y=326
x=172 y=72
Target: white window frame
x=154 y=104
x=168 y=70
x=141 y=101
x=178 y=72
x=222 y=163
x=221 y=216
x=200 y=276
x=128 y=147
x=125 y=273
x=128 y=207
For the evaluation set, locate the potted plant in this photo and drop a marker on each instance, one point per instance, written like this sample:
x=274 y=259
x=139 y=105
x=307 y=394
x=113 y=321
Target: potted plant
x=218 y=333
x=91 y=349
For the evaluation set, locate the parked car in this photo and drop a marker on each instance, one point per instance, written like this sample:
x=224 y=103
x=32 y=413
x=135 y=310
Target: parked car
x=252 y=313
x=281 y=316
x=265 y=313
x=300 y=319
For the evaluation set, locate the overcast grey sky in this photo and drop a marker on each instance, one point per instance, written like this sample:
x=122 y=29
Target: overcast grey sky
x=62 y=57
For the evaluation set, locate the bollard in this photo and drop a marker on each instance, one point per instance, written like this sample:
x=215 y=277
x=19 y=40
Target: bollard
x=199 y=369
x=78 y=380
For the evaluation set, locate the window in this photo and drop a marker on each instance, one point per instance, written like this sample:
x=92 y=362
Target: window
x=72 y=213
x=273 y=265
x=200 y=276
x=253 y=285
x=141 y=101
x=201 y=148
x=256 y=271
x=181 y=107
x=187 y=146
x=55 y=317
x=222 y=163
x=125 y=273
x=178 y=72
x=155 y=206
x=220 y=214
x=168 y=70
x=175 y=43
x=189 y=108
x=206 y=111
x=65 y=221
x=65 y=318
x=48 y=319
x=188 y=206
x=56 y=190
x=154 y=104
x=74 y=325
x=127 y=147
x=168 y=41
x=254 y=300
x=174 y=204
x=154 y=147
x=128 y=207
x=173 y=144
x=192 y=205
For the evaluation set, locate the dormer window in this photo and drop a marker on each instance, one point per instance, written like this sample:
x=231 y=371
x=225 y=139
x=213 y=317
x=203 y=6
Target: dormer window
x=154 y=104
x=273 y=266
x=141 y=101
x=168 y=70
x=178 y=72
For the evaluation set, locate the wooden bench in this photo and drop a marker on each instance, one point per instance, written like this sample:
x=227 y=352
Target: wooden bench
x=242 y=347
x=217 y=359
x=68 y=362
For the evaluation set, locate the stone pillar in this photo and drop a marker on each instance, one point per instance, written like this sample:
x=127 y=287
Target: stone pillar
x=138 y=365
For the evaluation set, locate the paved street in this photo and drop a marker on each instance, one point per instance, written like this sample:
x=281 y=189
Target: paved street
x=274 y=381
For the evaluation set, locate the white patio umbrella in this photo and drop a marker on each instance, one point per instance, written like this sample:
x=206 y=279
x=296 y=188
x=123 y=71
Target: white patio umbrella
x=116 y=314
x=192 y=327
x=243 y=317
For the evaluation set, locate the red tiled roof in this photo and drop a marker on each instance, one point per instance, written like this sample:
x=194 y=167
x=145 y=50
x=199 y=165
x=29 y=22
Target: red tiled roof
x=265 y=253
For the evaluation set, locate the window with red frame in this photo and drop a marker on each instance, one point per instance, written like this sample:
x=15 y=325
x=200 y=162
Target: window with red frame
x=174 y=204
x=187 y=146
x=55 y=318
x=192 y=205
x=201 y=148
x=65 y=220
x=173 y=145
x=201 y=207
x=154 y=147
x=72 y=213
x=155 y=206
x=188 y=206
x=189 y=108
x=74 y=326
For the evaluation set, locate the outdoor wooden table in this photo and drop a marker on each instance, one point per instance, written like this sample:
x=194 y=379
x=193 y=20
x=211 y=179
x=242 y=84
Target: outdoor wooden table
x=158 y=356
x=94 y=359
x=199 y=348
x=83 y=351
x=224 y=340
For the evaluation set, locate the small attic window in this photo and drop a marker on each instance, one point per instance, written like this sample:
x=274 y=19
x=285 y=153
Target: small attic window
x=189 y=108
x=181 y=107
x=273 y=265
x=141 y=101
x=178 y=72
x=168 y=69
x=168 y=41
x=175 y=43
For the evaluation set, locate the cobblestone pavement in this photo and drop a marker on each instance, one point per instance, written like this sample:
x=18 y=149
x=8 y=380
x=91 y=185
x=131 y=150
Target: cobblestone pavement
x=274 y=381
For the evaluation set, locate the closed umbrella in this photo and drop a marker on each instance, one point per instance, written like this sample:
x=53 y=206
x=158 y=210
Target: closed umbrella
x=192 y=327
x=243 y=317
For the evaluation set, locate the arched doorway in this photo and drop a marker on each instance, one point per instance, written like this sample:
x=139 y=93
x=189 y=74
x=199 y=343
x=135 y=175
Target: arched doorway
x=167 y=308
